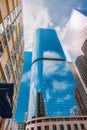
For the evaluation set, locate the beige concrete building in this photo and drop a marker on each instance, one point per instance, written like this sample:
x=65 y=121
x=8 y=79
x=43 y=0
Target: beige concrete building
x=58 y=123
x=11 y=49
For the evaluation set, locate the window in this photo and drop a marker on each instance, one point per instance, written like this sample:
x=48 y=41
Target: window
x=1 y=29
x=82 y=126
x=39 y=128
x=75 y=127
x=54 y=127
x=1 y=49
x=12 y=18
x=66 y=119
x=4 y=42
x=60 y=119
x=2 y=79
x=68 y=127
x=32 y=128
x=7 y=22
x=7 y=72
x=61 y=127
x=46 y=127
x=53 y=119
x=8 y=36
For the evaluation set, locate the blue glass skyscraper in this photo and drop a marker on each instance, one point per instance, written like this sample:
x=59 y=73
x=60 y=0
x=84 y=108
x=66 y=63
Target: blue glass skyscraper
x=52 y=83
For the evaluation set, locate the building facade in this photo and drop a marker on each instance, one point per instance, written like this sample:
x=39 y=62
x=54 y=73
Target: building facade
x=11 y=47
x=52 y=83
x=21 y=126
x=76 y=33
x=58 y=123
x=53 y=87
x=81 y=63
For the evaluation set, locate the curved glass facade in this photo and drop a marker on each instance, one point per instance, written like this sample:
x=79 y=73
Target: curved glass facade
x=52 y=83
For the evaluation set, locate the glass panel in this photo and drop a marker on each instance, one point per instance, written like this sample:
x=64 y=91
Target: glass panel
x=1 y=29
x=68 y=127
x=1 y=49
x=47 y=45
x=7 y=22
x=12 y=17
x=54 y=127
x=52 y=86
x=47 y=127
x=32 y=128
x=7 y=72
x=38 y=128
x=61 y=127
x=75 y=127
x=4 y=42
x=82 y=126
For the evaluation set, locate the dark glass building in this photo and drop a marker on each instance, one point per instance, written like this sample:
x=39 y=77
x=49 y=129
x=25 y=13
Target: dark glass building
x=52 y=83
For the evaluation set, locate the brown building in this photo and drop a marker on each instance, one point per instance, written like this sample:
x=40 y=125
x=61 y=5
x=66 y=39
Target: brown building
x=11 y=50
x=58 y=123
x=81 y=63
x=84 y=48
x=80 y=93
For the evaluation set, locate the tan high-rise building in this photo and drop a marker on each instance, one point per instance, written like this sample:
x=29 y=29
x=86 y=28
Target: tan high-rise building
x=11 y=49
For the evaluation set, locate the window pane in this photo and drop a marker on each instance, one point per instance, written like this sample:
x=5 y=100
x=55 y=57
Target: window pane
x=68 y=127
x=54 y=127
x=1 y=49
x=82 y=126
x=1 y=29
x=38 y=128
x=75 y=127
x=61 y=127
x=47 y=127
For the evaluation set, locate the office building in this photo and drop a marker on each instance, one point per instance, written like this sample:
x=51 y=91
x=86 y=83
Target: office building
x=80 y=94
x=75 y=41
x=21 y=126
x=58 y=123
x=84 y=48
x=76 y=33
x=52 y=98
x=52 y=83
x=81 y=63
x=11 y=49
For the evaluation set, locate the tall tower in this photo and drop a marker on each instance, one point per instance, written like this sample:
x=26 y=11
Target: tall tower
x=52 y=83
x=11 y=49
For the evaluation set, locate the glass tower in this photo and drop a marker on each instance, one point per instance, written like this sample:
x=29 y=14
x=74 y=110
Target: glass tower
x=52 y=83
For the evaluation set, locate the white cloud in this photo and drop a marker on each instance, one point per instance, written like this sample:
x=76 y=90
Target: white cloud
x=59 y=100
x=58 y=113
x=25 y=77
x=35 y=16
x=59 y=85
x=50 y=54
x=50 y=67
x=60 y=32
x=67 y=97
x=48 y=95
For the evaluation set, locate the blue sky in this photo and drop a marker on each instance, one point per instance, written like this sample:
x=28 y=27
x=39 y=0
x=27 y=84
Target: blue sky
x=48 y=13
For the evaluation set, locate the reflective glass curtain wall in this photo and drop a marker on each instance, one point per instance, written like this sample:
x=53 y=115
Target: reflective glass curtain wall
x=52 y=83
